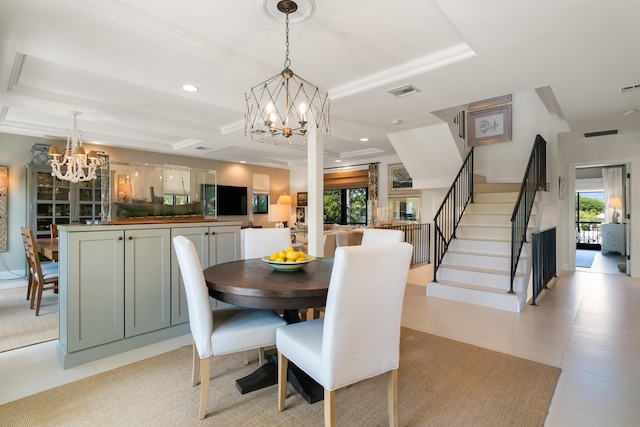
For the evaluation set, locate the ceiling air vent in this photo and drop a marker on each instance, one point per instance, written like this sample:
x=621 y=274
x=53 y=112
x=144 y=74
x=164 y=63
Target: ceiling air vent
x=601 y=133
x=203 y=148
x=403 y=91
x=629 y=88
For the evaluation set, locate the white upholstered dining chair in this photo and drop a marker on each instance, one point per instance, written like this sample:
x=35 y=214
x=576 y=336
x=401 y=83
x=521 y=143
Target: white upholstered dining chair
x=379 y=236
x=373 y=236
x=259 y=242
x=359 y=336
x=217 y=332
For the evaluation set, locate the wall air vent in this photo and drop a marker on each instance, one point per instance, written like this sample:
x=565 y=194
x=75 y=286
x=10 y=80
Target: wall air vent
x=601 y=133
x=402 y=91
x=629 y=88
x=203 y=148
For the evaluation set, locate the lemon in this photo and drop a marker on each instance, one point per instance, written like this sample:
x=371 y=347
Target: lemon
x=292 y=255
x=283 y=254
x=289 y=249
x=301 y=259
x=279 y=259
x=274 y=256
x=301 y=254
x=290 y=260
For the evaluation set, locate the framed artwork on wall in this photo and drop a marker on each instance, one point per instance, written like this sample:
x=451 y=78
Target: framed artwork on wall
x=302 y=199
x=400 y=181
x=489 y=126
x=301 y=215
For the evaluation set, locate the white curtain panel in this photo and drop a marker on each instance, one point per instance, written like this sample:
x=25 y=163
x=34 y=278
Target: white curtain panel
x=612 y=181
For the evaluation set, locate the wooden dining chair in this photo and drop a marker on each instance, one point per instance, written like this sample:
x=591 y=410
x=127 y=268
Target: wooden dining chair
x=43 y=279
x=359 y=336
x=221 y=331
x=54 y=230
x=47 y=267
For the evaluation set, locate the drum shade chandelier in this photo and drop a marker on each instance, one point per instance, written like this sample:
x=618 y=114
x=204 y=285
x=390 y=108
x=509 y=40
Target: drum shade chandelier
x=282 y=105
x=74 y=164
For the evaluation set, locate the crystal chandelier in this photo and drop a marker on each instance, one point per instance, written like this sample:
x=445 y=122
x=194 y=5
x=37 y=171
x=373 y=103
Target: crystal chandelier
x=74 y=165
x=282 y=105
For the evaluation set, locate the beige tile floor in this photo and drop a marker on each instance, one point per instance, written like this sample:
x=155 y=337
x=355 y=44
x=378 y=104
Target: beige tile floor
x=587 y=324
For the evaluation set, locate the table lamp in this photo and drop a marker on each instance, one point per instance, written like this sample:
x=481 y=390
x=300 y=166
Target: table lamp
x=280 y=214
x=615 y=202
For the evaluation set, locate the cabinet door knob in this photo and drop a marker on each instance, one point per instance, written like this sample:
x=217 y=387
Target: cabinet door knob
x=130 y=237
x=120 y=238
x=206 y=233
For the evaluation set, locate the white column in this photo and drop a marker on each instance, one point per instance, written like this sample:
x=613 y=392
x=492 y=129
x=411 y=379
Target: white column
x=315 y=165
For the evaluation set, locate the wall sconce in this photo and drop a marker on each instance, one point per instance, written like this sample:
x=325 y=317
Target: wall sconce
x=280 y=214
x=4 y=196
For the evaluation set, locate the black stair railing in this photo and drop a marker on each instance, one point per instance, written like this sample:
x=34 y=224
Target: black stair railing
x=448 y=216
x=535 y=178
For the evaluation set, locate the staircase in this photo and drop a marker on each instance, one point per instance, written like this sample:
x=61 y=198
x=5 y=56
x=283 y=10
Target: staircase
x=476 y=268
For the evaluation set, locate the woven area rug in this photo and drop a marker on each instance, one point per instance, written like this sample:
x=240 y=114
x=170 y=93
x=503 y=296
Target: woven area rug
x=19 y=325
x=441 y=383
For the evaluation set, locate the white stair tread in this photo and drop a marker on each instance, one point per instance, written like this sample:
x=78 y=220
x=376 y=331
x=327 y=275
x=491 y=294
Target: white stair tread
x=484 y=254
x=479 y=270
x=483 y=240
x=475 y=287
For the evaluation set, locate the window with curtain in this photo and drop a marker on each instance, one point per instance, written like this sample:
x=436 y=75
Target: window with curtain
x=260 y=197
x=345 y=197
x=613 y=193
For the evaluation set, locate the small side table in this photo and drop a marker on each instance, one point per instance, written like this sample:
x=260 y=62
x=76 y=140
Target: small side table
x=613 y=238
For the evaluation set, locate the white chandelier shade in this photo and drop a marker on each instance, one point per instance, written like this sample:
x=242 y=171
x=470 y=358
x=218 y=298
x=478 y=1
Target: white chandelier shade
x=74 y=164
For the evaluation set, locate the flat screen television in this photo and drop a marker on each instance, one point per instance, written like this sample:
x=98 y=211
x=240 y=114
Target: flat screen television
x=232 y=200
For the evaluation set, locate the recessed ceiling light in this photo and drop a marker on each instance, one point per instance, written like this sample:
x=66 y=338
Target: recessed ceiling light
x=338 y=161
x=96 y=142
x=396 y=121
x=630 y=112
x=364 y=139
x=243 y=161
x=190 y=88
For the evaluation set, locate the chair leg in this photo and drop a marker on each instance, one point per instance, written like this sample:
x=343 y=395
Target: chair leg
x=29 y=285
x=195 y=370
x=40 y=288
x=246 y=357
x=261 y=356
x=34 y=291
x=283 y=365
x=392 y=397
x=204 y=387
x=329 y=408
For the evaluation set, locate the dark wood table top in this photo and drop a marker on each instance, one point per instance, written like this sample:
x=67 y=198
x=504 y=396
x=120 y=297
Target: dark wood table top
x=253 y=283
x=48 y=247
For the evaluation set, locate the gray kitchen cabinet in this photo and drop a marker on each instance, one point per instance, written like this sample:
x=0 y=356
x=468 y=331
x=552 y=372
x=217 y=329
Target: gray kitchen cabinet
x=118 y=285
x=214 y=245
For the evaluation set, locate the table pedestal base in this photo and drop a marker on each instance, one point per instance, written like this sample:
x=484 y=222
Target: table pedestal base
x=267 y=375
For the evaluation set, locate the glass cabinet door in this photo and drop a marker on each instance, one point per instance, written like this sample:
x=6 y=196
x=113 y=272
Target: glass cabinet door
x=53 y=201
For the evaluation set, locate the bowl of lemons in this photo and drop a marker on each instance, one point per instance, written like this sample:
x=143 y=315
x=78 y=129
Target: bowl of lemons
x=288 y=260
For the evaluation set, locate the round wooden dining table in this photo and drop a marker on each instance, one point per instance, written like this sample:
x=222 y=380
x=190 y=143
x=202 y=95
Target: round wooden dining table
x=254 y=283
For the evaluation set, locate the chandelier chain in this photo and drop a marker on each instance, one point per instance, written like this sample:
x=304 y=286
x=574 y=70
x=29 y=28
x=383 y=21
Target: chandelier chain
x=287 y=61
